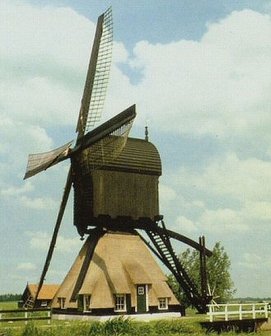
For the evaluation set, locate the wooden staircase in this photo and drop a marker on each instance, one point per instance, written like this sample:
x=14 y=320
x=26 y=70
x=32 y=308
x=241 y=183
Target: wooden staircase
x=163 y=249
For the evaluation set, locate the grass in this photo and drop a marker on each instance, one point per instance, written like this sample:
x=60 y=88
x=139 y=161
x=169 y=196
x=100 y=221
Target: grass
x=186 y=326
x=114 y=327
x=8 y=305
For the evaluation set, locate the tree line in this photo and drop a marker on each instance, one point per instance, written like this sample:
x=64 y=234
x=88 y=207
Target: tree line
x=10 y=297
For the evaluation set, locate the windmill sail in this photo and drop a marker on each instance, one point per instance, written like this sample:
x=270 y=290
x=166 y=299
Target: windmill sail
x=107 y=140
x=41 y=161
x=97 y=75
x=92 y=101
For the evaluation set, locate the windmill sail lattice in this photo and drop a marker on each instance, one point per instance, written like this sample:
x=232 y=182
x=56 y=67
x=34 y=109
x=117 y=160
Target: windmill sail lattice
x=98 y=74
x=90 y=111
x=42 y=161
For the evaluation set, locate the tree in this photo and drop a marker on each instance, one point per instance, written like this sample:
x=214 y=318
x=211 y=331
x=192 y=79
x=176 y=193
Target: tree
x=218 y=274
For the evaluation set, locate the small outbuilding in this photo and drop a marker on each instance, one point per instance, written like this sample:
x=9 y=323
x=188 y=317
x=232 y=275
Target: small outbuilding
x=44 y=299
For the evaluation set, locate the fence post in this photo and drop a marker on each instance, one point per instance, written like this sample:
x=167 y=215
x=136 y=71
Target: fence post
x=49 y=316
x=226 y=313
x=211 y=317
x=265 y=310
x=25 y=315
x=253 y=311
x=240 y=312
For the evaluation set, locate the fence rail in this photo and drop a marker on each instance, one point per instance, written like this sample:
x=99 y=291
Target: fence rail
x=237 y=311
x=16 y=315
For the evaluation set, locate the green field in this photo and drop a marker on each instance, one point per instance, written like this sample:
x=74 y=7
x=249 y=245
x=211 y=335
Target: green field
x=116 y=327
x=8 y=305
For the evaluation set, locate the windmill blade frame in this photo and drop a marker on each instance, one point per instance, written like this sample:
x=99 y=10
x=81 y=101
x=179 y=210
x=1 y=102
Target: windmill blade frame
x=96 y=84
x=42 y=161
x=97 y=75
x=61 y=211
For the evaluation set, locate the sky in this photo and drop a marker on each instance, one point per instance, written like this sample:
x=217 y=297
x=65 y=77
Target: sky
x=199 y=73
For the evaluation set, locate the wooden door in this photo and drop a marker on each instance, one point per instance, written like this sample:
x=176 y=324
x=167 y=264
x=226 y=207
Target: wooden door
x=141 y=299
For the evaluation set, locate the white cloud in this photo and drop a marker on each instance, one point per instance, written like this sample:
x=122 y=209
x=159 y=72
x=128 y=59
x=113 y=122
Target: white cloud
x=228 y=195
x=186 y=225
x=219 y=85
x=244 y=180
x=38 y=203
x=14 y=191
x=26 y=266
x=255 y=261
x=223 y=220
x=41 y=240
x=166 y=194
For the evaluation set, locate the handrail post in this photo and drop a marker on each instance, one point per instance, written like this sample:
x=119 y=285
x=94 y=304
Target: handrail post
x=226 y=313
x=240 y=312
x=265 y=310
x=210 y=313
x=253 y=311
x=49 y=316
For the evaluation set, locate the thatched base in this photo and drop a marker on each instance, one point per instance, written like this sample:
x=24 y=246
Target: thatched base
x=111 y=265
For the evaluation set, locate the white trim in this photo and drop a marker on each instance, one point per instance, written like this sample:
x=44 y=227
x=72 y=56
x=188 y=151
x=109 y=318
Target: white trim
x=139 y=317
x=164 y=301
x=86 y=302
x=119 y=304
x=147 y=297
x=61 y=301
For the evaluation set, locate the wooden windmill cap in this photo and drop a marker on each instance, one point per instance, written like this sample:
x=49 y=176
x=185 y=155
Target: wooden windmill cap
x=138 y=156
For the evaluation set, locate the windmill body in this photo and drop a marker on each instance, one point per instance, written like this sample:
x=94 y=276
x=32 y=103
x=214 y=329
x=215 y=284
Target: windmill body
x=115 y=182
x=119 y=192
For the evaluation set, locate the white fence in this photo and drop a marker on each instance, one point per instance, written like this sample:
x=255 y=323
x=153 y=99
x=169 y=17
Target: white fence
x=237 y=311
x=15 y=315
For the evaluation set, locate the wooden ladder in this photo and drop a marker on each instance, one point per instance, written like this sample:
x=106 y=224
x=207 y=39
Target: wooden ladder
x=29 y=303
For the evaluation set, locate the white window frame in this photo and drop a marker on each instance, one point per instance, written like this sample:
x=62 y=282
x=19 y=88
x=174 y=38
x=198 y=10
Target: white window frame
x=120 y=303
x=86 y=302
x=163 y=303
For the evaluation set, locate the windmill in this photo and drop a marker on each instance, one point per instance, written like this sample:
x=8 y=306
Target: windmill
x=115 y=182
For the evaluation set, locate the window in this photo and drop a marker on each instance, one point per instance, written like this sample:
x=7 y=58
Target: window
x=86 y=302
x=44 y=304
x=141 y=290
x=120 y=302
x=61 y=302
x=163 y=303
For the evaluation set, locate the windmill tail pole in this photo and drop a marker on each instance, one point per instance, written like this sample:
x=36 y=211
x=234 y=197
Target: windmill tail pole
x=203 y=272
x=55 y=233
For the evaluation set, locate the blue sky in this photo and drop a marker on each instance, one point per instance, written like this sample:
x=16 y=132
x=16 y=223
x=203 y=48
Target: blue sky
x=200 y=75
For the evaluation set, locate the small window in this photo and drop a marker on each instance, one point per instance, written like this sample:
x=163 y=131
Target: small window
x=61 y=302
x=44 y=304
x=86 y=299
x=120 y=302
x=141 y=290
x=163 y=303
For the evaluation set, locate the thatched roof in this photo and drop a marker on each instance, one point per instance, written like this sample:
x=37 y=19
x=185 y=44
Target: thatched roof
x=47 y=291
x=120 y=261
